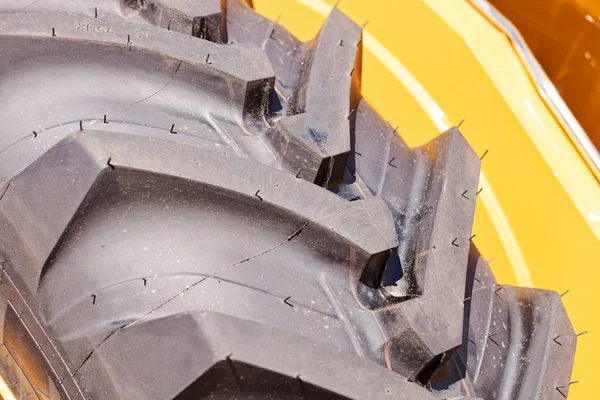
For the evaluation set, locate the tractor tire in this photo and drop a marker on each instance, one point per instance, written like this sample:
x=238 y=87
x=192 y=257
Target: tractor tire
x=195 y=204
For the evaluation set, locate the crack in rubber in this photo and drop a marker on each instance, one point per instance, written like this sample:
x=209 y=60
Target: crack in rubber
x=5 y=190
x=107 y=113
x=164 y=303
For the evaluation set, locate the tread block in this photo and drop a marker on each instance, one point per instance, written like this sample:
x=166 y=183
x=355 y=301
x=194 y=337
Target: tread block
x=440 y=228
x=434 y=226
x=202 y=19
x=131 y=209
x=290 y=135
x=312 y=132
x=169 y=68
x=58 y=181
x=315 y=136
x=235 y=67
x=322 y=90
x=518 y=342
x=285 y=52
x=324 y=94
x=376 y=144
x=229 y=379
x=451 y=379
x=528 y=337
x=249 y=66
x=363 y=232
x=207 y=353
x=424 y=189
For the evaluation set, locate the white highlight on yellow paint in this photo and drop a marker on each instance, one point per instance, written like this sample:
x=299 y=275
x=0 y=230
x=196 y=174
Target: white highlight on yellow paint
x=5 y=392
x=437 y=115
x=317 y=5
x=505 y=233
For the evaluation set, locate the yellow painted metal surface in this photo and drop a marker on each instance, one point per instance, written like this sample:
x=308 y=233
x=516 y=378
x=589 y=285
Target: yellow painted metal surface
x=429 y=64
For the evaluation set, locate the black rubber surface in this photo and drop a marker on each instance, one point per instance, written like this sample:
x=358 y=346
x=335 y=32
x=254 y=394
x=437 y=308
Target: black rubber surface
x=194 y=204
